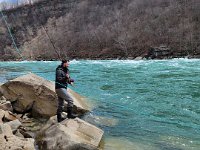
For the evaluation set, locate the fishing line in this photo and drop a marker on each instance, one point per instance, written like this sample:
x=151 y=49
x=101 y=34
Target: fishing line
x=9 y=31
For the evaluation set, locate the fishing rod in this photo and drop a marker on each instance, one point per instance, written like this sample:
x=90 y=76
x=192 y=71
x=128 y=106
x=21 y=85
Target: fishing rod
x=51 y=41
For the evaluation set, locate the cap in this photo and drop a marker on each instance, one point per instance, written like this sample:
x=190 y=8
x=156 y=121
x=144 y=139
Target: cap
x=65 y=60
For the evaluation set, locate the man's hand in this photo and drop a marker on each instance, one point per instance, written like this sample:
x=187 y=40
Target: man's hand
x=72 y=83
x=67 y=75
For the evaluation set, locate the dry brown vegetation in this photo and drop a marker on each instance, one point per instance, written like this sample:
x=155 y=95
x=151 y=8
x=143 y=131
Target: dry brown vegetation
x=101 y=28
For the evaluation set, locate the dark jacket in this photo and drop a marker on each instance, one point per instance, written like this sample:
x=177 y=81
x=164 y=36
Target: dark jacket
x=61 y=78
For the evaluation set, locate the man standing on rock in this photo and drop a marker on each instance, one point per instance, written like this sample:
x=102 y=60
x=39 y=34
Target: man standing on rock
x=62 y=81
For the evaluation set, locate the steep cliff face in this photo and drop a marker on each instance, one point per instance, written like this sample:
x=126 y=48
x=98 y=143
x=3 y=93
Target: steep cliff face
x=100 y=28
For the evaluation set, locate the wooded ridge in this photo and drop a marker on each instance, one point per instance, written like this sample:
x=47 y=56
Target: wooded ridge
x=100 y=29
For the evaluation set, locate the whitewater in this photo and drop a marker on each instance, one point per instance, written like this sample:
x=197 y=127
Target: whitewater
x=141 y=105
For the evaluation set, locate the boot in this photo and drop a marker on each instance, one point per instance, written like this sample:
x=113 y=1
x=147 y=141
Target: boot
x=70 y=115
x=60 y=118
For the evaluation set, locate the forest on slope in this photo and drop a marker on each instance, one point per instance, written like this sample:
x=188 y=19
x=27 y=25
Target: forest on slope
x=100 y=29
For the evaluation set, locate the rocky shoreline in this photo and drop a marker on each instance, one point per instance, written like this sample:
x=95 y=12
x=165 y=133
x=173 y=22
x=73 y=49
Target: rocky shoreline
x=27 y=115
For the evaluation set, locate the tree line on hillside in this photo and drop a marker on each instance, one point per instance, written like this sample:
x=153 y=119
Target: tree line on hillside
x=105 y=28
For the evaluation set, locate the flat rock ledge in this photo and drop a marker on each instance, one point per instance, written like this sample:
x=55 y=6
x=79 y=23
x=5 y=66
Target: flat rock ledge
x=70 y=134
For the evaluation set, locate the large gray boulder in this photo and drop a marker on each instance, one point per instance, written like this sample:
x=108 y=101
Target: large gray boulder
x=12 y=142
x=33 y=92
x=70 y=134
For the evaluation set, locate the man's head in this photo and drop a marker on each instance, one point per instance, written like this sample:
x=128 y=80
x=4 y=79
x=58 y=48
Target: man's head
x=65 y=63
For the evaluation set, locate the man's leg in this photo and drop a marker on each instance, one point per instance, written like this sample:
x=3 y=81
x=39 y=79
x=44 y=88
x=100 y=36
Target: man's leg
x=70 y=106
x=64 y=95
x=60 y=109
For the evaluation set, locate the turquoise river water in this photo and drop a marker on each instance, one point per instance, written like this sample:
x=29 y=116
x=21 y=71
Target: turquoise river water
x=141 y=105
